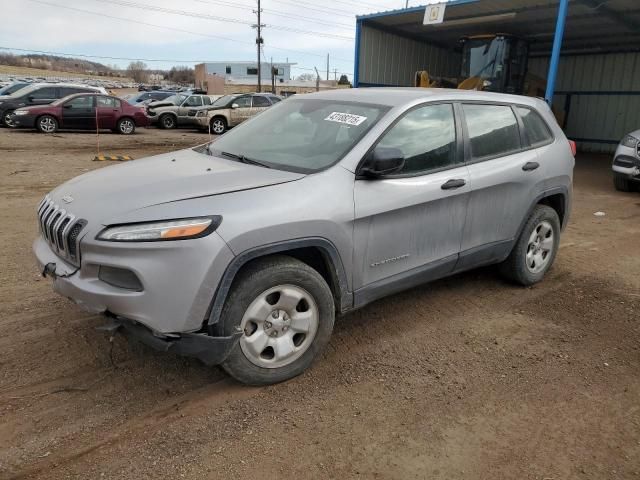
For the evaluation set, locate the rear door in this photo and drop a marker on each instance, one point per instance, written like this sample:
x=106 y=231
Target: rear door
x=409 y=225
x=108 y=111
x=79 y=112
x=259 y=103
x=505 y=180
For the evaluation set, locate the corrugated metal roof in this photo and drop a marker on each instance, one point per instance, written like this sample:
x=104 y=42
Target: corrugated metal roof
x=592 y=25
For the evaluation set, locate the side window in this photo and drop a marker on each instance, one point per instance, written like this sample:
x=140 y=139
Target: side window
x=427 y=138
x=193 y=101
x=274 y=99
x=493 y=130
x=108 y=102
x=206 y=100
x=80 y=103
x=243 y=102
x=227 y=69
x=259 y=101
x=44 y=93
x=537 y=130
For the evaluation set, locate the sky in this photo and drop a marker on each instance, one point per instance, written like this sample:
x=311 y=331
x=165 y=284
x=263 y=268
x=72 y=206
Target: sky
x=187 y=32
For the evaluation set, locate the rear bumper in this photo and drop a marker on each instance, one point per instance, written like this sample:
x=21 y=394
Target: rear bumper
x=209 y=350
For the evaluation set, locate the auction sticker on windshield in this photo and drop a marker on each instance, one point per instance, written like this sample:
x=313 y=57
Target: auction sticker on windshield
x=347 y=118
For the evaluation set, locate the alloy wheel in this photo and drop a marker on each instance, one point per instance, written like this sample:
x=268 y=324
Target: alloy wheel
x=217 y=126
x=279 y=326
x=540 y=247
x=47 y=124
x=126 y=126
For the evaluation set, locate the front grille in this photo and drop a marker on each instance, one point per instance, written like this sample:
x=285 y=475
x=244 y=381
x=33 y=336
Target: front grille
x=60 y=229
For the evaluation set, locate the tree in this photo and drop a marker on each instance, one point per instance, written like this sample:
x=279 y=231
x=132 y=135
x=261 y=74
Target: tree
x=307 y=77
x=344 y=80
x=182 y=75
x=138 y=71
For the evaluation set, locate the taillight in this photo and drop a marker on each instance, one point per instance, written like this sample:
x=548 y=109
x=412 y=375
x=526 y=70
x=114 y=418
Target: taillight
x=574 y=148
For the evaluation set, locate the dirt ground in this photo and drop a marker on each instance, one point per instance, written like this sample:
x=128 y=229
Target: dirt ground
x=464 y=378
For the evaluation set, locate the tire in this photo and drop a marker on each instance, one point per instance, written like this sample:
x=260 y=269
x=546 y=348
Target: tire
x=536 y=248
x=218 y=125
x=167 y=121
x=47 y=124
x=622 y=183
x=287 y=312
x=126 y=126
x=6 y=118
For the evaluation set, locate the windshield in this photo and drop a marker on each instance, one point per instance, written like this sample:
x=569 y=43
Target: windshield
x=300 y=135
x=222 y=100
x=14 y=87
x=483 y=58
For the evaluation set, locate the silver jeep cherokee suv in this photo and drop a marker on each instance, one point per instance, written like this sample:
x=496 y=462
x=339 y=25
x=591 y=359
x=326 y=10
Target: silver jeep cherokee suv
x=241 y=252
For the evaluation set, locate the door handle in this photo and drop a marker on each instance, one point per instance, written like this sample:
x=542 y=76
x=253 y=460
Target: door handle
x=529 y=166
x=453 y=183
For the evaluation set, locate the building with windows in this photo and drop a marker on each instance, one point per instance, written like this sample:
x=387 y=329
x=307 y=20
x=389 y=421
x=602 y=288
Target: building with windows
x=240 y=71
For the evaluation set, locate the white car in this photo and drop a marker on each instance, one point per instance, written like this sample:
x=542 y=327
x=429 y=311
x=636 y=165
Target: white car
x=626 y=163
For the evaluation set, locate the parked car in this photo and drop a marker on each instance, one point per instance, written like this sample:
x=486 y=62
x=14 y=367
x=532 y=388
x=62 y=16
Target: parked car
x=626 y=163
x=231 y=110
x=174 y=111
x=154 y=96
x=242 y=251
x=80 y=111
x=39 y=94
x=12 y=88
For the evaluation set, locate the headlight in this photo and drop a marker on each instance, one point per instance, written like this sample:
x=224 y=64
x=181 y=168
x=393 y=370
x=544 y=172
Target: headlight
x=180 y=229
x=629 y=141
x=21 y=112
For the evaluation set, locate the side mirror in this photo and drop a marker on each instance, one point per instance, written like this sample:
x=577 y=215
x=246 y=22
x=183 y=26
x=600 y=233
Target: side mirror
x=235 y=105
x=383 y=161
x=67 y=105
x=31 y=98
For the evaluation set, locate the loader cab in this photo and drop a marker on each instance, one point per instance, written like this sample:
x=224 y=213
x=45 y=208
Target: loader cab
x=494 y=63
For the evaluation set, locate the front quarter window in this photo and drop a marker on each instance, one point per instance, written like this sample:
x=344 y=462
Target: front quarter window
x=301 y=135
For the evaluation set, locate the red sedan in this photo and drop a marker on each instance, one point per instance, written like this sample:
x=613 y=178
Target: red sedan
x=82 y=111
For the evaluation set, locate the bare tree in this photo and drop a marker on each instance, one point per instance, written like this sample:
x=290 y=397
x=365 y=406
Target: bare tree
x=306 y=77
x=138 y=71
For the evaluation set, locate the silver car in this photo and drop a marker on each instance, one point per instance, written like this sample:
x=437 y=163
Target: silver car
x=176 y=110
x=241 y=252
x=626 y=163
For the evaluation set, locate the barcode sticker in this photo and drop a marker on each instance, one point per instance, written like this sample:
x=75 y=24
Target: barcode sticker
x=346 y=118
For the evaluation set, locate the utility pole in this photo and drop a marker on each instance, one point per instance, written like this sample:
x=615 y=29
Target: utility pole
x=259 y=42
x=327 y=66
x=317 y=79
x=335 y=74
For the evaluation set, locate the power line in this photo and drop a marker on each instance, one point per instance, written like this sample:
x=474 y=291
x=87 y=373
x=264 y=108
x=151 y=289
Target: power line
x=205 y=16
x=190 y=32
x=307 y=6
x=276 y=13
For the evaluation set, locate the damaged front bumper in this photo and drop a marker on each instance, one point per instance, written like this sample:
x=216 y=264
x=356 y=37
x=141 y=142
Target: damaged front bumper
x=210 y=350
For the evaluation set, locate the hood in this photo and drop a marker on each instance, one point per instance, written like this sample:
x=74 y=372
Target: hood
x=105 y=193
x=161 y=103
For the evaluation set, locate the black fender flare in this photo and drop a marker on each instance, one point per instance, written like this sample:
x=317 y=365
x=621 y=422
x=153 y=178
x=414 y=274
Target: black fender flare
x=328 y=249
x=547 y=193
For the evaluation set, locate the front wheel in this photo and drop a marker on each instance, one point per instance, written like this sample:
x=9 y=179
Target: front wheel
x=218 y=125
x=622 y=183
x=286 y=312
x=167 y=121
x=536 y=247
x=126 y=126
x=6 y=118
x=47 y=124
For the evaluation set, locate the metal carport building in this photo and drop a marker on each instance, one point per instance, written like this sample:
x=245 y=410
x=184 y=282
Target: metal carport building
x=598 y=72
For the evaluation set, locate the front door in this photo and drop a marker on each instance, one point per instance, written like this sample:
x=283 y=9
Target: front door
x=408 y=226
x=79 y=112
x=42 y=96
x=241 y=113
x=505 y=180
x=191 y=102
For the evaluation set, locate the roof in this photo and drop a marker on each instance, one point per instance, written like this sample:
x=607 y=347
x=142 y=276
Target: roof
x=592 y=25
x=255 y=62
x=395 y=96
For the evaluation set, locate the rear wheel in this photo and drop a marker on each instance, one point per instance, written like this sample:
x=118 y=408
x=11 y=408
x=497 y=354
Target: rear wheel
x=536 y=247
x=622 y=183
x=167 y=121
x=126 y=126
x=218 y=125
x=47 y=124
x=286 y=312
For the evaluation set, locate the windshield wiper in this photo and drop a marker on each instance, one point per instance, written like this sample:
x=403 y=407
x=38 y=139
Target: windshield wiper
x=243 y=159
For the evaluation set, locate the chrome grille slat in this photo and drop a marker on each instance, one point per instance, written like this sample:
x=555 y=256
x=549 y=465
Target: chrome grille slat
x=56 y=228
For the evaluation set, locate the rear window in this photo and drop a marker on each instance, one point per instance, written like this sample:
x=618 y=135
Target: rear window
x=493 y=130
x=537 y=130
